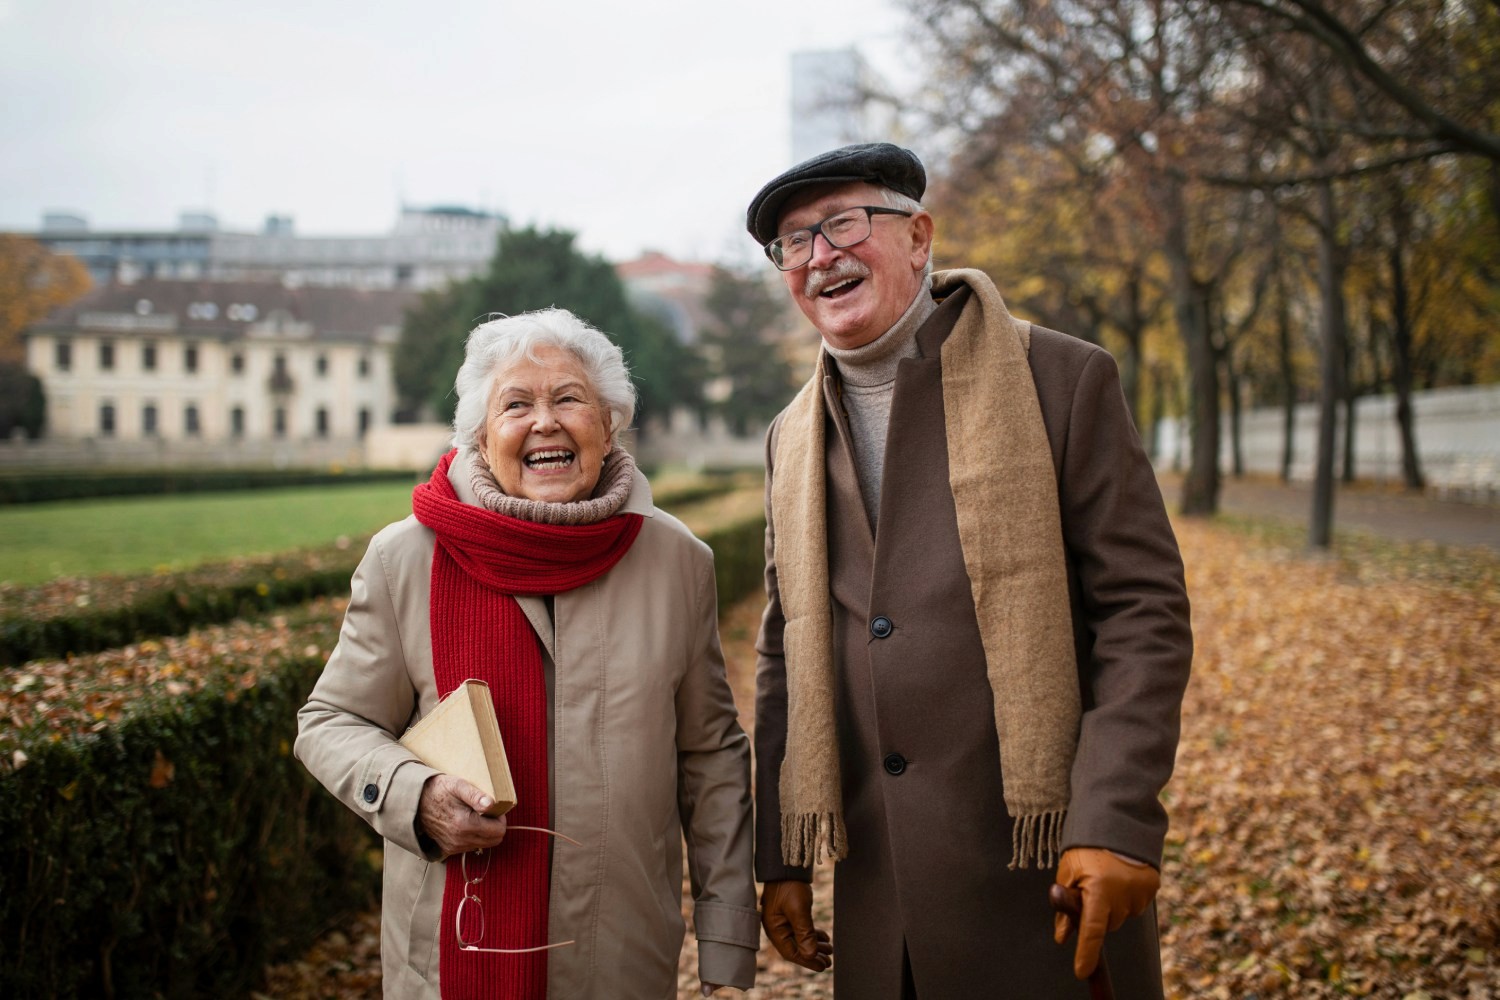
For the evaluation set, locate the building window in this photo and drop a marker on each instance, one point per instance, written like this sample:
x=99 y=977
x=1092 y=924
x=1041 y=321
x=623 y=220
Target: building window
x=364 y=421
x=322 y=364
x=63 y=356
x=281 y=380
x=237 y=422
x=107 y=420
x=148 y=357
x=237 y=363
x=322 y=417
x=148 y=420
x=364 y=366
x=190 y=421
x=190 y=358
x=278 y=426
x=106 y=357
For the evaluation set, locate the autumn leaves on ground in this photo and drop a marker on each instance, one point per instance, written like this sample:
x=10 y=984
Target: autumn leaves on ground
x=1337 y=796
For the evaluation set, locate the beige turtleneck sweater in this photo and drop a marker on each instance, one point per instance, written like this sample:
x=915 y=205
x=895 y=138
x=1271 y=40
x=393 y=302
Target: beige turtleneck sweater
x=868 y=374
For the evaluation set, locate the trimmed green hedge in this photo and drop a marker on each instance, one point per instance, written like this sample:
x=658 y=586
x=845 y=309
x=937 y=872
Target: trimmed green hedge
x=739 y=558
x=178 y=849
x=84 y=615
x=156 y=836
x=77 y=616
x=45 y=487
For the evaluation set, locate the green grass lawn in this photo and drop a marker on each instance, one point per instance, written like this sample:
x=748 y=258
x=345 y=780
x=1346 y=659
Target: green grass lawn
x=141 y=534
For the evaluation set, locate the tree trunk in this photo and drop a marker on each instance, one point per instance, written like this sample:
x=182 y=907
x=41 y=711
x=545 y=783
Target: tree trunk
x=1130 y=377
x=1232 y=389
x=1288 y=384
x=1495 y=188
x=1200 y=487
x=1158 y=413
x=1350 y=399
x=1134 y=332
x=1330 y=366
x=1401 y=370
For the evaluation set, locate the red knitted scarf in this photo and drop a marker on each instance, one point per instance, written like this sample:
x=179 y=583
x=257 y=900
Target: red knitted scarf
x=478 y=630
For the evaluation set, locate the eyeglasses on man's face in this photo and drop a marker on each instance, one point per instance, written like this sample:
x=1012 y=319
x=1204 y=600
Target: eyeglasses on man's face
x=853 y=225
x=468 y=922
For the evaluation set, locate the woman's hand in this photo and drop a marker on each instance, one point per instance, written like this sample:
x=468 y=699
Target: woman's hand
x=451 y=813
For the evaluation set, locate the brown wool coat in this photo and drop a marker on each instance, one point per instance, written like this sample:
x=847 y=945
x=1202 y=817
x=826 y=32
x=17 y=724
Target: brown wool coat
x=645 y=747
x=926 y=880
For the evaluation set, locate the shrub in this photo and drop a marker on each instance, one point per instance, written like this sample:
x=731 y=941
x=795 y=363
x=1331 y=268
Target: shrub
x=44 y=487
x=23 y=403
x=86 y=614
x=82 y=615
x=156 y=835
x=739 y=557
x=157 y=838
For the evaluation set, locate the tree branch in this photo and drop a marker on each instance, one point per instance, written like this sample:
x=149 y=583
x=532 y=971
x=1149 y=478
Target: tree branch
x=1317 y=21
x=1270 y=182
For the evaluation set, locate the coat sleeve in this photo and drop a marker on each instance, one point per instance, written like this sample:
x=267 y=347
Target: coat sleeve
x=1134 y=638
x=347 y=732
x=770 y=710
x=713 y=795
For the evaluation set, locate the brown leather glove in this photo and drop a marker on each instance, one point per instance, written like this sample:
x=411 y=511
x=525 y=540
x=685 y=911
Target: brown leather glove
x=1115 y=888
x=786 y=914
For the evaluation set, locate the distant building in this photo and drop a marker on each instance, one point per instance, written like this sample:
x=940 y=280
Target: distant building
x=834 y=103
x=427 y=248
x=222 y=365
x=670 y=290
x=676 y=292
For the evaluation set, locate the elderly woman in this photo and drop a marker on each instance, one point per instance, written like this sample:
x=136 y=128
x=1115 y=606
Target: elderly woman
x=535 y=561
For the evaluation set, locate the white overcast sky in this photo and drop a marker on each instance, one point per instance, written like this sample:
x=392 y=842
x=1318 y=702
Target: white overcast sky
x=640 y=125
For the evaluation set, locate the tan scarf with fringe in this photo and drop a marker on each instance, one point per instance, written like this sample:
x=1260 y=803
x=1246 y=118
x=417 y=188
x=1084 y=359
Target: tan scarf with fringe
x=1005 y=494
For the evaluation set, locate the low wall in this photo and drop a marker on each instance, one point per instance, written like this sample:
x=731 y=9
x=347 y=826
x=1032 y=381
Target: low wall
x=407 y=446
x=161 y=454
x=395 y=446
x=1457 y=430
x=684 y=442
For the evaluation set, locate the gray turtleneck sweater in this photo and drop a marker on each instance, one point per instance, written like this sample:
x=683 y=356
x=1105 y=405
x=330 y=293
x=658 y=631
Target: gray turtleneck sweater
x=868 y=374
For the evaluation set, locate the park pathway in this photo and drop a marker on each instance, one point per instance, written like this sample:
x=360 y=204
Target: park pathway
x=1367 y=509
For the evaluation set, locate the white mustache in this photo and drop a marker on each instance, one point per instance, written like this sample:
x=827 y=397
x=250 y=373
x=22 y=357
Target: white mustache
x=844 y=268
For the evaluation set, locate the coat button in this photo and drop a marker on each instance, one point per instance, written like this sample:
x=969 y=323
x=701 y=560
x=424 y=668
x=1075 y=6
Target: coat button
x=881 y=626
x=371 y=793
x=894 y=763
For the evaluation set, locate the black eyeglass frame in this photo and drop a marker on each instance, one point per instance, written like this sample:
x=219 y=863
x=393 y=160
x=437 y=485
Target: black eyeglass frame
x=816 y=230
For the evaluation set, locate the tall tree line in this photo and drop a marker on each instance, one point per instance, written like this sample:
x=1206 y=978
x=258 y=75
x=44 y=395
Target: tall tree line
x=1254 y=200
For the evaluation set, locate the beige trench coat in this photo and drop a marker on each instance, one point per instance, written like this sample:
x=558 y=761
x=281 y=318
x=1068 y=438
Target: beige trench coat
x=645 y=747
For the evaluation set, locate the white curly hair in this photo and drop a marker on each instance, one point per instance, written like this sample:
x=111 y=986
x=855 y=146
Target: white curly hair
x=494 y=344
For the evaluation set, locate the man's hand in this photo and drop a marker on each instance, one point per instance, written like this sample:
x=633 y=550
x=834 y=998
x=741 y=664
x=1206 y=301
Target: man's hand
x=450 y=813
x=1114 y=887
x=786 y=914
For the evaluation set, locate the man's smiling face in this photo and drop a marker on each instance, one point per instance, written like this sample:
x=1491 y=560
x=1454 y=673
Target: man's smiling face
x=853 y=295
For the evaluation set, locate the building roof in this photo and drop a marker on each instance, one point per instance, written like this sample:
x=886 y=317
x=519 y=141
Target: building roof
x=655 y=264
x=232 y=309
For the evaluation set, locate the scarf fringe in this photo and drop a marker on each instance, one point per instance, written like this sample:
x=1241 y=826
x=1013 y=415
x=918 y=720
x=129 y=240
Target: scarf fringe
x=1036 y=839
x=806 y=837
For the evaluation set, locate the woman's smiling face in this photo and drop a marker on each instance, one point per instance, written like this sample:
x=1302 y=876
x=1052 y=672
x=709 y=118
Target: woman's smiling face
x=546 y=434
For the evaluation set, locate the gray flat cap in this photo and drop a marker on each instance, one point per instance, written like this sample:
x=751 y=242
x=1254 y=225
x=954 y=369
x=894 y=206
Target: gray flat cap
x=880 y=163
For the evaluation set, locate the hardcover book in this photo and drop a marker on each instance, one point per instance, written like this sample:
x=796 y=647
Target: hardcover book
x=461 y=737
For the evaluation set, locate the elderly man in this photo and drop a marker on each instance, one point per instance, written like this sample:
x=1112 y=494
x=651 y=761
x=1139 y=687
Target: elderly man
x=976 y=638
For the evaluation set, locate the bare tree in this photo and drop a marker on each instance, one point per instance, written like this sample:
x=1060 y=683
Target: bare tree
x=1122 y=86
